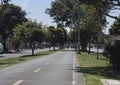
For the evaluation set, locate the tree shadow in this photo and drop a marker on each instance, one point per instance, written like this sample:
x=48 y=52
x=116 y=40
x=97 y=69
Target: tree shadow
x=107 y=72
x=6 y=63
x=42 y=54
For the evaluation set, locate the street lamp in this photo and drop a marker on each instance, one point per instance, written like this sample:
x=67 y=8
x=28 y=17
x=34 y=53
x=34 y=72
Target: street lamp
x=78 y=27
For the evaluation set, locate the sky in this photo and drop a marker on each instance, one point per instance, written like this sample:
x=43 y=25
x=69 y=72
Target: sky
x=35 y=10
x=111 y=20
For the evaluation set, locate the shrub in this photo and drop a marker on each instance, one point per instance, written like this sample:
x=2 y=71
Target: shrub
x=112 y=51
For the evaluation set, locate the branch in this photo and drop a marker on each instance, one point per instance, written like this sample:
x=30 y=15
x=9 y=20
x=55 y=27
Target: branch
x=114 y=17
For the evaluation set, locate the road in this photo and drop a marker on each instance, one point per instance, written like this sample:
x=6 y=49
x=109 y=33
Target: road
x=54 y=69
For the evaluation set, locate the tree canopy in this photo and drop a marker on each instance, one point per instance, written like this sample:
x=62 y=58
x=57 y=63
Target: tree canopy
x=10 y=16
x=115 y=28
x=30 y=32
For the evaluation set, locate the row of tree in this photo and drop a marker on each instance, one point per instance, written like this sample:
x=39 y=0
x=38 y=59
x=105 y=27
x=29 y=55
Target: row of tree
x=10 y=15
x=92 y=21
x=16 y=29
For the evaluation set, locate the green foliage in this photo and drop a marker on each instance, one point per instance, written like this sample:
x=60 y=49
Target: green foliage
x=5 y=1
x=61 y=36
x=63 y=12
x=73 y=36
x=112 y=52
x=92 y=21
x=16 y=42
x=56 y=35
x=29 y=32
x=10 y=15
x=115 y=28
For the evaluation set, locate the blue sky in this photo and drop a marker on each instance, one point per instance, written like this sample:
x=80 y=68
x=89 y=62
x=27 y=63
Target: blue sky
x=111 y=20
x=35 y=10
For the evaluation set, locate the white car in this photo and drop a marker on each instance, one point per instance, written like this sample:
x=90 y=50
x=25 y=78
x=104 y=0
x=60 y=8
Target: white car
x=1 y=48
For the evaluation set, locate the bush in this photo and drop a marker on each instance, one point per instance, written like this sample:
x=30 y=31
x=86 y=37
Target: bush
x=112 y=51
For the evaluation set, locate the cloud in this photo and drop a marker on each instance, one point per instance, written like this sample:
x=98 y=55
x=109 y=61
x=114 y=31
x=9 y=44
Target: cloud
x=25 y=3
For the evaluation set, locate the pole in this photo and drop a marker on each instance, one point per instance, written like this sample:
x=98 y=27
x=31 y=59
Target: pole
x=78 y=27
x=97 y=45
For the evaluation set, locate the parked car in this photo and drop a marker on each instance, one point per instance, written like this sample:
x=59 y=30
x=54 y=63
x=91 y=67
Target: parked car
x=1 y=48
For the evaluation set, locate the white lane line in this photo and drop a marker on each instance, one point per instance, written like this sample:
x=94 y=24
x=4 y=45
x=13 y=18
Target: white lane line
x=18 y=82
x=47 y=63
x=53 y=59
x=37 y=70
x=74 y=81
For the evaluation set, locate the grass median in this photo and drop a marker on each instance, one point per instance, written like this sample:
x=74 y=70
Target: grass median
x=12 y=61
x=95 y=69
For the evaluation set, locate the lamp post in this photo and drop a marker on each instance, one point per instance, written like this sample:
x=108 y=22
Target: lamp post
x=78 y=26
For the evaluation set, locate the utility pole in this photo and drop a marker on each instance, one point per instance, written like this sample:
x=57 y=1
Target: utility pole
x=79 y=27
x=97 y=44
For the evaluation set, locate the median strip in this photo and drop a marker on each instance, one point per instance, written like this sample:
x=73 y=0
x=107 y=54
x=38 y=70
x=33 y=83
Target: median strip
x=18 y=82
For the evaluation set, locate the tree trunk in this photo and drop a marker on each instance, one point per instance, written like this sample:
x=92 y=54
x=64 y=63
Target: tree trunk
x=53 y=46
x=33 y=48
x=89 y=48
x=5 y=46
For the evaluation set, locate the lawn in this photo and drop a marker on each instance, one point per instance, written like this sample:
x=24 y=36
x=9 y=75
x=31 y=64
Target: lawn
x=12 y=61
x=94 y=69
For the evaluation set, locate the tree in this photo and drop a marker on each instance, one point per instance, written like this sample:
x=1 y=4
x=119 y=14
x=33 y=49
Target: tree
x=63 y=12
x=105 y=6
x=91 y=23
x=30 y=32
x=66 y=12
x=56 y=35
x=72 y=37
x=52 y=37
x=112 y=47
x=5 y=1
x=10 y=16
x=115 y=28
x=61 y=36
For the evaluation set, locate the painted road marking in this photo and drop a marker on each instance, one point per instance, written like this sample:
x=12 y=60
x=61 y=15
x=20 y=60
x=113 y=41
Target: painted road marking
x=73 y=82
x=53 y=59
x=47 y=63
x=37 y=70
x=18 y=82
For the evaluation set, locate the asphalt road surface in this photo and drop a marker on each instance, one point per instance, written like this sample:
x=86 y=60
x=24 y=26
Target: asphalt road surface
x=55 y=69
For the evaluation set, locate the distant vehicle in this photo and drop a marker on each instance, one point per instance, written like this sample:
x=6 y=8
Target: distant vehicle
x=1 y=48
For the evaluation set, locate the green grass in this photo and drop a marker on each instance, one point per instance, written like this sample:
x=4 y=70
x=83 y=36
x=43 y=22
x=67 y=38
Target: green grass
x=95 y=69
x=12 y=61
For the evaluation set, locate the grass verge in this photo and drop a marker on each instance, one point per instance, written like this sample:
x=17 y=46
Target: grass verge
x=12 y=61
x=95 y=69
